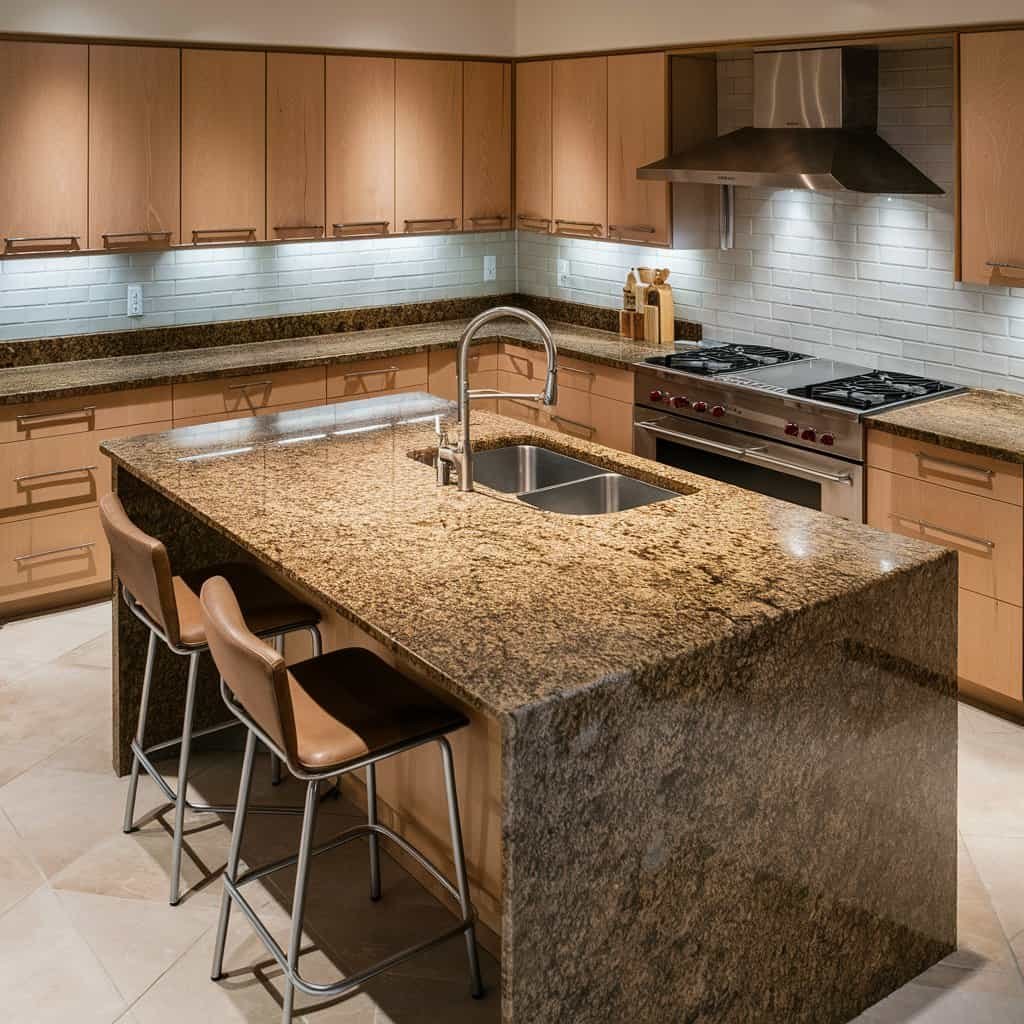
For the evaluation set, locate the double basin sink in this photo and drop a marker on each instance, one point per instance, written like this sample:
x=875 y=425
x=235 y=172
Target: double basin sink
x=558 y=483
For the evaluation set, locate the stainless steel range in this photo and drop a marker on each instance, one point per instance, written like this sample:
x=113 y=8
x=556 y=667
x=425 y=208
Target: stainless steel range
x=771 y=421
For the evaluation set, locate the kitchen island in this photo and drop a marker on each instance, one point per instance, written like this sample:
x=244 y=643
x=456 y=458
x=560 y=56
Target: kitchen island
x=711 y=768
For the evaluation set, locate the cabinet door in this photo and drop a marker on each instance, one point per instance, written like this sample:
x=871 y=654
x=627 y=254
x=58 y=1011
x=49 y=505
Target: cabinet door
x=223 y=146
x=44 y=114
x=134 y=145
x=638 y=211
x=295 y=145
x=360 y=145
x=991 y=157
x=428 y=145
x=580 y=146
x=487 y=146
x=533 y=146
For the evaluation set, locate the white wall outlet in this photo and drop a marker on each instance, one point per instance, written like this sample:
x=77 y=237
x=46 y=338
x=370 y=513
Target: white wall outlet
x=135 y=300
x=490 y=267
x=564 y=281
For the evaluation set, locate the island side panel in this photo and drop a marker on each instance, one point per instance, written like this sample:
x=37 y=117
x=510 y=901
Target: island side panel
x=764 y=833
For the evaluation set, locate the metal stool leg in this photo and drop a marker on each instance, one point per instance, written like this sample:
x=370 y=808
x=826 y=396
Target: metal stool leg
x=183 y=763
x=476 y=984
x=371 y=818
x=231 y=871
x=299 y=902
x=140 y=733
x=275 y=761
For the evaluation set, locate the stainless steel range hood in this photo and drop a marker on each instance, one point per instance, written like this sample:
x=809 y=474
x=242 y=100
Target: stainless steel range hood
x=815 y=120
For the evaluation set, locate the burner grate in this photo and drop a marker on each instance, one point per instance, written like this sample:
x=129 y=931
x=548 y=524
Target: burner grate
x=871 y=390
x=709 y=362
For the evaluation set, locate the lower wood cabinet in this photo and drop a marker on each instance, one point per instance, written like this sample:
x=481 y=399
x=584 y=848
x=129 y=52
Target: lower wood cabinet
x=370 y=377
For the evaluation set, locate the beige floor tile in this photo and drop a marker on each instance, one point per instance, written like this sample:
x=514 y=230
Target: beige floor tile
x=90 y=753
x=95 y=653
x=47 y=971
x=16 y=758
x=46 y=637
x=919 y=1004
x=19 y=874
x=1000 y=865
x=991 y=797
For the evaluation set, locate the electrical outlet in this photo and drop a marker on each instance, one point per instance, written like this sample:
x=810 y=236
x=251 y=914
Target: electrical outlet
x=135 y=300
x=564 y=280
x=490 y=267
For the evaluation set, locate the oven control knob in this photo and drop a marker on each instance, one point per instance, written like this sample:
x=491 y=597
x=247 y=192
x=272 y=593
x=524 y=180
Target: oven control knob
x=677 y=402
x=657 y=396
x=827 y=439
x=792 y=430
x=700 y=406
x=809 y=434
x=718 y=410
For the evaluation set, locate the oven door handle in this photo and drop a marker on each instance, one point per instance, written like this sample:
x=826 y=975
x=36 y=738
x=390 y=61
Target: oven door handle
x=757 y=454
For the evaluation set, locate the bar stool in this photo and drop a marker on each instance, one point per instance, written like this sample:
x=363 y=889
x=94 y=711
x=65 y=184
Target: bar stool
x=326 y=717
x=168 y=606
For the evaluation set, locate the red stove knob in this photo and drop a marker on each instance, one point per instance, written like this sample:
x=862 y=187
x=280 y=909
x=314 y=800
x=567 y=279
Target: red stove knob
x=700 y=406
x=827 y=439
x=656 y=395
x=810 y=434
x=792 y=429
x=718 y=410
x=678 y=402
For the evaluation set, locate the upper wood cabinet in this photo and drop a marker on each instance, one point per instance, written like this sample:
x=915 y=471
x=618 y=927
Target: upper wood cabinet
x=295 y=145
x=991 y=157
x=487 y=146
x=44 y=117
x=223 y=145
x=580 y=146
x=428 y=145
x=360 y=146
x=134 y=145
x=533 y=146
x=638 y=211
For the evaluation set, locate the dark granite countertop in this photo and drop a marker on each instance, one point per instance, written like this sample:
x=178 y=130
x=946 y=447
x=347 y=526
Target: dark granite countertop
x=439 y=576
x=89 y=376
x=983 y=422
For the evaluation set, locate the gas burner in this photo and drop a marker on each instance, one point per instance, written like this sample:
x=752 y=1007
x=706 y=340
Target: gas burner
x=872 y=390
x=708 y=362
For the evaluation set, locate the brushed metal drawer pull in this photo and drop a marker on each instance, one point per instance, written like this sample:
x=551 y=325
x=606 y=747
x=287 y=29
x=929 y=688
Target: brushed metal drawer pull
x=55 y=551
x=430 y=220
x=318 y=228
x=250 y=384
x=1003 y=265
x=643 y=229
x=382 y=224
x=572 y=369
x=53 y=472
x=370 y=373
x=490 y=219
x=250 y=234
x=29 y=417
x=590 y=227
x=968 y=470
x=925 y=525
x=526 y=218
x=124 y=239
x=574 y=423
x=69 y=242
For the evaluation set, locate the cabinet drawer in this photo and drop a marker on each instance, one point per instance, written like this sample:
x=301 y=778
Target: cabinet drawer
x=991 y=644
x=483 y=369
x=985 y=533
x=195 y=421
x=52 y=553
x=80 y=415
x=56 y=474
x=593 y=418
x=961 y=471
x=247 y=394
x=575 y=374
x=373 y=376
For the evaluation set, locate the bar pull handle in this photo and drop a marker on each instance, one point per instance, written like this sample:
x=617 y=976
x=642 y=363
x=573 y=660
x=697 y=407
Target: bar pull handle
x=317 y=228
x=979 y=471
x=55 y=551
x=430 y=220
x=1003 y=265
x=935 y=528
x=52 y=473
x=371 y=373
x=220 y=233
x=572 y=369
x=525 y=218
x=589 y=227
x=36 y=243
x=129 y=239
x=632 y=229
x=32 y=417
x=493 y=218
x=574 y=423
x=250 y=384
x=341 y=228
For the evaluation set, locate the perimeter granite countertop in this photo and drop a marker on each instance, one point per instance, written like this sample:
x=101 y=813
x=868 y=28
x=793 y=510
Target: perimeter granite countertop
x=983 y=422
x=89 y=376
x=438 y=575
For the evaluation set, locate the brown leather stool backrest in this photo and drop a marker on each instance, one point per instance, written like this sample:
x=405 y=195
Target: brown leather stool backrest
x=142 y=565
x=254 y=671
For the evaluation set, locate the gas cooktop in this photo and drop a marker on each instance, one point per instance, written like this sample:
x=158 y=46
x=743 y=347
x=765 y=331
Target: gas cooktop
x=713 y=360
x=872 y=389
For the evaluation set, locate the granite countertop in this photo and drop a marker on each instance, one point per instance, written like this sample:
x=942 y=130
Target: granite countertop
x=87 y=376
x=983 y=422
x=441 y=576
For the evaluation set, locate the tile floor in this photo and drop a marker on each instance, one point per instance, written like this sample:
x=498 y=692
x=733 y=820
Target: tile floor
x=86 y=934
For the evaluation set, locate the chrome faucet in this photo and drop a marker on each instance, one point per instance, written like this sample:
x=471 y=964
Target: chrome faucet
x=459 y=457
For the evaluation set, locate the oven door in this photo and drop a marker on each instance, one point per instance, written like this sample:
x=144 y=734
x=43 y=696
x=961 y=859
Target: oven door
x=806 y=478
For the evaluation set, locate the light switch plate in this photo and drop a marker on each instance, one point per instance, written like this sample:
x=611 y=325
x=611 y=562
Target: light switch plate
x=490 y=267
x=135 y=300
x=563 y=274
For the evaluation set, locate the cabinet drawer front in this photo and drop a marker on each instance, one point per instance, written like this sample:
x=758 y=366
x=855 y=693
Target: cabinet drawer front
x=86 y=413
x=245 y=395
x=985 y=533
x=56 y=474
x=529 y=412
x=593 y=418
x=527 y=363
x=373 y=376
x=596 y=378
x=483 y=369
x=52 y=553
x=962 y=471
x=990 y=644
x=195 y=421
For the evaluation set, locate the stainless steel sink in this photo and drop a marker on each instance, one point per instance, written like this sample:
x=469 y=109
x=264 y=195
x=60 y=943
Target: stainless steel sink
x=526 y=467
x=597 y=495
